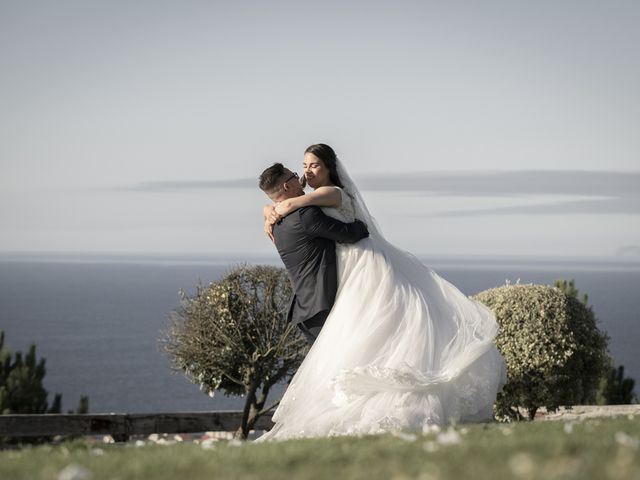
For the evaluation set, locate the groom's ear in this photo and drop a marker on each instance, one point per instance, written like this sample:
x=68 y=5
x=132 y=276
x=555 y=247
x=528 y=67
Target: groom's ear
x=273 y=196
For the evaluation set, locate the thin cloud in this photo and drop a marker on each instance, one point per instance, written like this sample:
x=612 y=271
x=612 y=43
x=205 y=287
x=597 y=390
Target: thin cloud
x=611 y=192
x=591 y=206
x=479 y=183
x=508 y=183
x=182 y=185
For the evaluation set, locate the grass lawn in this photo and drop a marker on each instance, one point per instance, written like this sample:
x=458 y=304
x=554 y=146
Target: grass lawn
x=598 y=449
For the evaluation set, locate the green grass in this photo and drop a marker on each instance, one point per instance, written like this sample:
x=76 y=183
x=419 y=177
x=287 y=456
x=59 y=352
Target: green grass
x=591 y=449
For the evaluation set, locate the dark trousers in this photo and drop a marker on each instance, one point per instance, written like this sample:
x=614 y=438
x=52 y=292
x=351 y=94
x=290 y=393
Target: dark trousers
x=312 y=326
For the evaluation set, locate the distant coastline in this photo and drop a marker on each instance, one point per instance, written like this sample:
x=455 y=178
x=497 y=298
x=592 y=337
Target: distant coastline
x=612 y=262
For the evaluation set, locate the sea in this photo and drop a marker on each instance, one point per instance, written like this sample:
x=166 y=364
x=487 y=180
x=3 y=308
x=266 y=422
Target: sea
x=98 y=319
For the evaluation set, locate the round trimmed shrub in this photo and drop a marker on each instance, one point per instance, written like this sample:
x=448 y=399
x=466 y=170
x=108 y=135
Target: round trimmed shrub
x=233 y=335
x=554 y=351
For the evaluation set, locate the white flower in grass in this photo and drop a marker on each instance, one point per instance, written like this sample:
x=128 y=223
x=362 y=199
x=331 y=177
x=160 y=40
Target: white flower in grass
x=74 y=472
x=407 y=437
x=430 y=447
x=626 y=440
x=450 y=437
x=166 y=442
x=521 y=464
x=208 y=444
x=426 y=429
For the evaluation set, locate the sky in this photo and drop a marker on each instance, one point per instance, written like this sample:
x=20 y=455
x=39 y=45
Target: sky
x=471 y=127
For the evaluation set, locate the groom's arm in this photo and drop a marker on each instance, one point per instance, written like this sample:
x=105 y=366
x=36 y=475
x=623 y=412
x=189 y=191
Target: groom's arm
x=317 y=224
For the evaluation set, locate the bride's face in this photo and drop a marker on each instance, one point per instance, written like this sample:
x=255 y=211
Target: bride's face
x=315 y=171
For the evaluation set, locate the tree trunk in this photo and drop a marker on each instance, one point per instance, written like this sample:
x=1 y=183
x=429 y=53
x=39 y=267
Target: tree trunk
x=249 y=406
x=256 y=409
x=515 y=413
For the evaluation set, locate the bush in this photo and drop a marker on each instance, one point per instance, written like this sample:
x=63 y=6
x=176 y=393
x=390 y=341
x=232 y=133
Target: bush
x=21 y=388
x=554 y=352
x=233 y=335
x=614 y=388
x=22 y=391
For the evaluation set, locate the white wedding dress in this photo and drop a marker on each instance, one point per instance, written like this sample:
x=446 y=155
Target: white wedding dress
x=401 y=349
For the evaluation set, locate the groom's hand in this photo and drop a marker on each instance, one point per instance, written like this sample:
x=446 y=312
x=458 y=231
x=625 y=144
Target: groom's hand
x=271 y=217
x=363 y=227
x=268 y=229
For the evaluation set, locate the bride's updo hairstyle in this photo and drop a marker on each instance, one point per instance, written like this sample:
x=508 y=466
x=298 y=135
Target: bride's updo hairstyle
x=328 y=156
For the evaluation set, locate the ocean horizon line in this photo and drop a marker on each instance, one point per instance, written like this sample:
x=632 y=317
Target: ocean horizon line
x=449 y=260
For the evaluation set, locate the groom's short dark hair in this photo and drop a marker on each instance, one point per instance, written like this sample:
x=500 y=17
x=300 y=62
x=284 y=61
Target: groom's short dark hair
x=270 y=178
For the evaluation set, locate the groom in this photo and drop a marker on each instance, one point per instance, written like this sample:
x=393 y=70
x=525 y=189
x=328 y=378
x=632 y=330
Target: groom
x=305 y=240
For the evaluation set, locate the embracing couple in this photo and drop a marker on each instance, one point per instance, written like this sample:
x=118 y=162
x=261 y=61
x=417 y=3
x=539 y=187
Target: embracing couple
x=393 y=345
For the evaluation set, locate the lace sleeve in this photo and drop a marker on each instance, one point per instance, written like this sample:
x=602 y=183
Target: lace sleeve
x=347 y=209
x=357 y=201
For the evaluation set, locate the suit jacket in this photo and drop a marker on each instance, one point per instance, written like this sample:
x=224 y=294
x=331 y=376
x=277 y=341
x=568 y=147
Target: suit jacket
x=305 y=240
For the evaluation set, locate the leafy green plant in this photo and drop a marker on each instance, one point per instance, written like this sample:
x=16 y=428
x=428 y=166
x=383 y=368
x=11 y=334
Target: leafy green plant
x=232 y=335
x=554 y=351
x=21 y=388
x=614 y=388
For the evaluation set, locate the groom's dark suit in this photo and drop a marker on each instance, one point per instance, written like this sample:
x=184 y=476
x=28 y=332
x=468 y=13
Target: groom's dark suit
x=305 y=240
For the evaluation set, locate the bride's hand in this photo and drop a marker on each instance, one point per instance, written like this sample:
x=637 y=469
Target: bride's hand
x=283 y=208
x=271 y=215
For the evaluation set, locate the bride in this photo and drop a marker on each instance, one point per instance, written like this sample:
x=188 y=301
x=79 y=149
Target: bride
x=402 y=348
